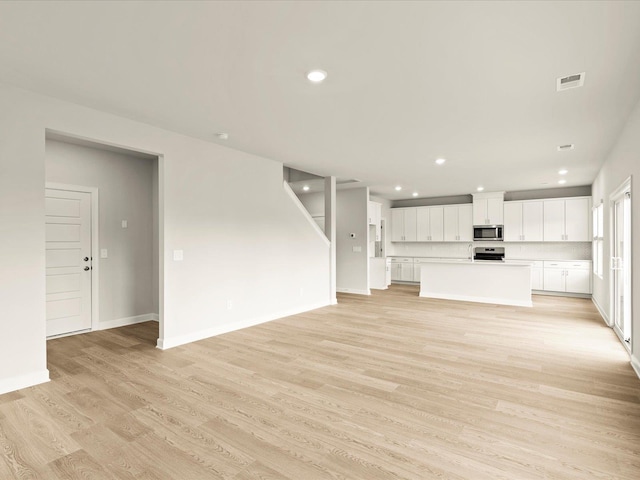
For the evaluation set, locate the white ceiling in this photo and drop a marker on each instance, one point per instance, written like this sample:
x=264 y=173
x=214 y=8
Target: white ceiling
x=408 y=82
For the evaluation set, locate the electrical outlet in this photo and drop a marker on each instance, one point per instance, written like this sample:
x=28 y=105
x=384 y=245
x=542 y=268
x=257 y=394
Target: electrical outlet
x=104 y=253
x=125 y=224
x=178 y=255
x=301 y=292
x=229 y=304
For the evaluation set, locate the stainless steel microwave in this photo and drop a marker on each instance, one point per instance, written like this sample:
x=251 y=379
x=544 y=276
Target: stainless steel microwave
x=488 y=232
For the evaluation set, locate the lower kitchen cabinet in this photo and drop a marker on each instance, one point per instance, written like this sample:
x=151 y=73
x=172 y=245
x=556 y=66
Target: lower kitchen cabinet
x=537 y=275
x=570 y=277
x=402 y=269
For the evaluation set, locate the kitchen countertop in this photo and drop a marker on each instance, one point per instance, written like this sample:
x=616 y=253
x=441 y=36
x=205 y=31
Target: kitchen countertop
x=506 y=263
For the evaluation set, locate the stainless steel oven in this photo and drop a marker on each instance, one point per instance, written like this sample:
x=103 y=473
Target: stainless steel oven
x=488 y=232
x=495 y=254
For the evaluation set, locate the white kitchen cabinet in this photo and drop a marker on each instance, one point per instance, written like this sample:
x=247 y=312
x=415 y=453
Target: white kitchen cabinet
x=537 y=276
x=577 y=213
x=374 y=210
x=404 y=224
x=406 y=272
x=375 y=213
x=402 y=269
x=430 y=227
x=488 y=208
x=416 y=272
x=567 y=276
x=578 y=280
x=567 y=219
x=523 y=221
x=397 y=224
x=458 y=223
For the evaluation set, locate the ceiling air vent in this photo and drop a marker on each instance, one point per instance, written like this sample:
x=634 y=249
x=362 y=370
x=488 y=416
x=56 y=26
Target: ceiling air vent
x=571 y=81
x=564 y=148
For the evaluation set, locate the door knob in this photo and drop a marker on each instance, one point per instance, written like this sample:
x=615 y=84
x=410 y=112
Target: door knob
x=86 y=259
x=86 y=268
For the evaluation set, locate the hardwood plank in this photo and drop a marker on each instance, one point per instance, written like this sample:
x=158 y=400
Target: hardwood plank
x=382 y=386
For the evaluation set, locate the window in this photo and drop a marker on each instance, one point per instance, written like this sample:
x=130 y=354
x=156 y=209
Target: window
x=598 y=240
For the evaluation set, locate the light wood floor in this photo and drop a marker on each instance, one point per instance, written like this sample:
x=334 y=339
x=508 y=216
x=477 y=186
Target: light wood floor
x=383 y=387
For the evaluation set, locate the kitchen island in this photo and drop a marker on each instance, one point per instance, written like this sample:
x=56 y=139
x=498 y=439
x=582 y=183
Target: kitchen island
x=503 y=283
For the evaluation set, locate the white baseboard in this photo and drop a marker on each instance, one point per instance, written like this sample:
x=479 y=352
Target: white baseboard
x=170 y=342
x=352 y=290
x=122 y=322
x=635 y=363
x=23 y=381
x=603 y=314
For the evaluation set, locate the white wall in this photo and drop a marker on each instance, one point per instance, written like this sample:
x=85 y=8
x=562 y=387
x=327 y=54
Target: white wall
x=126 y=193
x=235 y=247
x=622 y=162
x=352 y=268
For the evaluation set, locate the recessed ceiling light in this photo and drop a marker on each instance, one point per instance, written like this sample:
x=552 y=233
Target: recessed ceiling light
x=480 y=189
x=563 y=171
x=305 y=188
x=414 y=194
x=562 y=182
x=440 y=161
x=316 y=76
x=222 y=135
x=398 y=188
x=565 y=147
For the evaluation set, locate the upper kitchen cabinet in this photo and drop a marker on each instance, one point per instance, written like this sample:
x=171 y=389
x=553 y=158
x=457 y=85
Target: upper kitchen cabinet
x=567 y=219
x=430 y=224
x=458 y=225
x=523 y=221
x=403 y=224
x=374 y=213
x=488 y=208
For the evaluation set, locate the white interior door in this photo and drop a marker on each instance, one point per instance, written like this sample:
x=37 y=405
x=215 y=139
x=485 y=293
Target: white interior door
x=68 y=261
x=621 y=266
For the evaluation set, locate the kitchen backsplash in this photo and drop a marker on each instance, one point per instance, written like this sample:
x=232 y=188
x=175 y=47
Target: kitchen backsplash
x=513 y=251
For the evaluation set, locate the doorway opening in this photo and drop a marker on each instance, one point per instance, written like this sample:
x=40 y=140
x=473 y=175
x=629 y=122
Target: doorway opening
x=103 y=231
x=621 y=263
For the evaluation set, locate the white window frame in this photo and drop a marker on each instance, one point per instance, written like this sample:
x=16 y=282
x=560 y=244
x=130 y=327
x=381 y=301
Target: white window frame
x=598 y=240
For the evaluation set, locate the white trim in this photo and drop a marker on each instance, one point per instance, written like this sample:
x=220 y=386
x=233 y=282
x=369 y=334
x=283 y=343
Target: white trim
x=635 y=364
x=602 y=313
x=166 y=343
x=471 y=298
x=552 y=293
x=95 y=242
x=353 y=290
x=305 y=212
x=121 y=322
x=613 y=196
x=23 y=381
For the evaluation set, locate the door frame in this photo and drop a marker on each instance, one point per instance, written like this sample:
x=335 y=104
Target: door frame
x=95 y=258
x=625 y=186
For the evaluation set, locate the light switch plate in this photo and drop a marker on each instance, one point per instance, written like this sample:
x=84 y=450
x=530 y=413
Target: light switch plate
x=104 y=253
x=178 y=255
x=125 y=224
